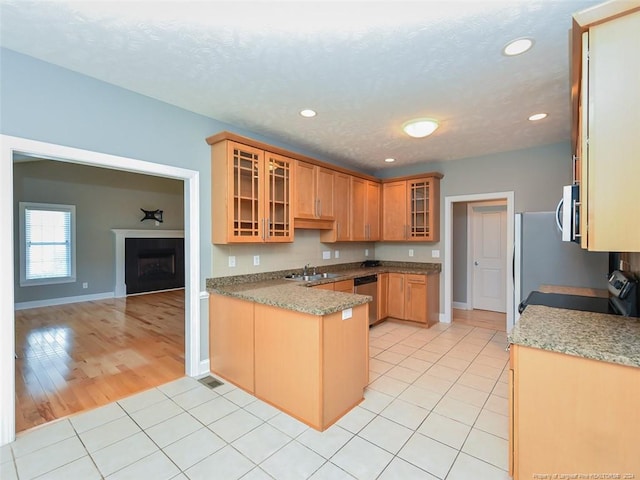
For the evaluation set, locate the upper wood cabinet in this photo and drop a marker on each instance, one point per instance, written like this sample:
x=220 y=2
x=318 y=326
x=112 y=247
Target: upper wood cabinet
x=314 y=195
x=250 y=194
x=341 y=231
x=365 y=210
x=606 y=102
x=411 y=209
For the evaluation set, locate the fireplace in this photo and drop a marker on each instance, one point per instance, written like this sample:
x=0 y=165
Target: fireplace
x=152 y=264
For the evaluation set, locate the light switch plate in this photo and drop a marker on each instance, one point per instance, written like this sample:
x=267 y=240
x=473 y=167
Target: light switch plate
x=347 y=313
x=232 y=261
x=366 y=252
x=326 y=254
x=256 y=260
x=336 y=254
x=435 y=253
x=411 y=252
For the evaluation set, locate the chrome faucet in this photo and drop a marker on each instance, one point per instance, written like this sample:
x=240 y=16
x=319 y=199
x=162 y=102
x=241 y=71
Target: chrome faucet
x=305 y=270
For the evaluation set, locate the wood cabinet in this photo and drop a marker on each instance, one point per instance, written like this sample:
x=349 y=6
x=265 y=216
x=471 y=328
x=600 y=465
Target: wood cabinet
x=383 y=296
x=414 y=297
x=411 y=209
x=341 y=231
x=312 y=367
x=606 y=69
x=231 y=338
x=365 y=210
x=250 y=194
x=345 y=286
x=314 y=192
x=571 y=414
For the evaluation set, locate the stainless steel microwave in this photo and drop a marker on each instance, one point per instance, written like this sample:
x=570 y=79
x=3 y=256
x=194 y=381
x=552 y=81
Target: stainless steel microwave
x=568 y=213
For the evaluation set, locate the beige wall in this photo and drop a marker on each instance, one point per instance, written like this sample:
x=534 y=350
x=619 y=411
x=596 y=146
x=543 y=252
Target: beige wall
x=305 y=249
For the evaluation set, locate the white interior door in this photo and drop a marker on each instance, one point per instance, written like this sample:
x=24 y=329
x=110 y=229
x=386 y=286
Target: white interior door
x=489 y=253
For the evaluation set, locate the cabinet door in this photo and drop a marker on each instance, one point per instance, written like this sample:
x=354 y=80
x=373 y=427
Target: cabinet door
x=416 y=298
x=324 y=193
x=345 y=286
x=278 y=214
x=341 y=206
x=383 y=296
x=324 y=286
x=358 y=209
x=394 y=211
x=231 y=338
x=373 y=211
x=396 y=298
x=246 y=184
x=305 y=191
x=614 y=116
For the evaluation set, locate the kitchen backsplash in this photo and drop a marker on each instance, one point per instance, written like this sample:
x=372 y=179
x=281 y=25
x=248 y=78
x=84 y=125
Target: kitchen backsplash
x=306 y=249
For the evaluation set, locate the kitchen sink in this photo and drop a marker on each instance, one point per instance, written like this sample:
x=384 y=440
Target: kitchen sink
x=310 y=278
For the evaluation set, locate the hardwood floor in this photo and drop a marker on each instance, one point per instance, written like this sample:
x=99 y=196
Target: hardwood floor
x=84 y=355
x=481 y=318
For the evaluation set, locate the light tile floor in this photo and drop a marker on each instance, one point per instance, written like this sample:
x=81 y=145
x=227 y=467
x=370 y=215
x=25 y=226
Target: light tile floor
x=436 y=408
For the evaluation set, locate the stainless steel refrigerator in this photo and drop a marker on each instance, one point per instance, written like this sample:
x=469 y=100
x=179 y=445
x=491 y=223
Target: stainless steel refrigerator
x=542 y=258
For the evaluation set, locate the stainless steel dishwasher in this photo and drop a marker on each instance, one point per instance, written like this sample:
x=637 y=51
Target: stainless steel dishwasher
x=368 y=285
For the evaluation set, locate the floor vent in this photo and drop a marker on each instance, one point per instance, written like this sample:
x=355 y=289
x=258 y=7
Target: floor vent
x=210 y=382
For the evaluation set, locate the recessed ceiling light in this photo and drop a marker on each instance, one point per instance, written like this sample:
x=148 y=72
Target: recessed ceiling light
x=420 y=127
x=518 y=46
x=389 y=160
x=308 y=113
x=537 y=116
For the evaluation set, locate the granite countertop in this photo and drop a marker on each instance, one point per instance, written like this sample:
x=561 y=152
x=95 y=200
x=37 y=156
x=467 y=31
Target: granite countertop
x=270 y=288
x=598 y=336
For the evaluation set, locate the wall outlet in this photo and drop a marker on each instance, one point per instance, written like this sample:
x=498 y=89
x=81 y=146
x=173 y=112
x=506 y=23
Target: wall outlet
x=232 y=261
x=336 y=254
x=256 y=260
x=347 y=313
x=366 y=252
x=411 y=252
x=435 y=253
x=326 y=254
x=85 y=285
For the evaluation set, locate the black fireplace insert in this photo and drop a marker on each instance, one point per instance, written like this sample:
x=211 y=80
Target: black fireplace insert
x=152 y=264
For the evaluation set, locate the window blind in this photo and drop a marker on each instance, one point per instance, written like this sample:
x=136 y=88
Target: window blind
x=48 y=235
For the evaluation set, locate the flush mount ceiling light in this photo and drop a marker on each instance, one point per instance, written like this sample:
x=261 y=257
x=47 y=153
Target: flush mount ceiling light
x=537 y=116
x=420 y=127
x=308 y=113
x=389 y=160
x=518 y=46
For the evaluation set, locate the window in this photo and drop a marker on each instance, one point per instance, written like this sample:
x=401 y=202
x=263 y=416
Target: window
x=47 y=244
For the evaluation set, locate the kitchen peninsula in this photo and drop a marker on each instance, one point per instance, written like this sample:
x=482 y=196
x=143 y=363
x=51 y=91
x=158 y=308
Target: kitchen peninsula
x=574 y=382
x=303 y=350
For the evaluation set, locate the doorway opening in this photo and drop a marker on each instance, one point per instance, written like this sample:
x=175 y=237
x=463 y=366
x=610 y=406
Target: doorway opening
x=15 y=146
x=457 y=271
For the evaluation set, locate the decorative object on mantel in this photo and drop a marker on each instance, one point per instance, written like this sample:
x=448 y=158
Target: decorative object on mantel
x=152 y=215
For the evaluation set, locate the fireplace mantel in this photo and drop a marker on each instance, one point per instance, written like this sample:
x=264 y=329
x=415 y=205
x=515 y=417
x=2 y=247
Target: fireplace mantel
x=120 y=288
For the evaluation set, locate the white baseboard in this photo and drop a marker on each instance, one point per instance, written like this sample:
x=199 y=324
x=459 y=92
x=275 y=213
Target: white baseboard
x=49 y=302
x=461 y=305
x=204 y=368
x=443 y=318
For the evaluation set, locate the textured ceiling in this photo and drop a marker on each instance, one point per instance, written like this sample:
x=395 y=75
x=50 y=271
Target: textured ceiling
x=366 y=67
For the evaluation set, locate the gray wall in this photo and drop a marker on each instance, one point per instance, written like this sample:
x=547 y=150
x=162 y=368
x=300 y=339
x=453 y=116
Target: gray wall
x=104 y=199
x=459 y=257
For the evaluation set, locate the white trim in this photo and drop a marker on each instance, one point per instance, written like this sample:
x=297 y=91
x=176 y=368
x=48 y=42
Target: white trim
x=204 y=295
x=448 y=255
x=461 y=305
x=50 y=302
x=191 y=178
x=204 y=368
x=120 y=287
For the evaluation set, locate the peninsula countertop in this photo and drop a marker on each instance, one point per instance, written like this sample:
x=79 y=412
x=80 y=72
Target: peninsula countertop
x=598 y=336
x=271 y=288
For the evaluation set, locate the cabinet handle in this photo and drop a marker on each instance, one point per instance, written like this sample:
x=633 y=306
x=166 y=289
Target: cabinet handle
x=263 y=238
x=268 y=229
x=409 y=291
x=319 y=208
x=337 y=229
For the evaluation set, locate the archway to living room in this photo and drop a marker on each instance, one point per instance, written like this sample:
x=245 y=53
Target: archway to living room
x=186 y=301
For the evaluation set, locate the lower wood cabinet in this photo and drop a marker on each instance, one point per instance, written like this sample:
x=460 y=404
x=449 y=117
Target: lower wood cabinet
x=569 y=414
x=414 y=297
x=312 y=367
